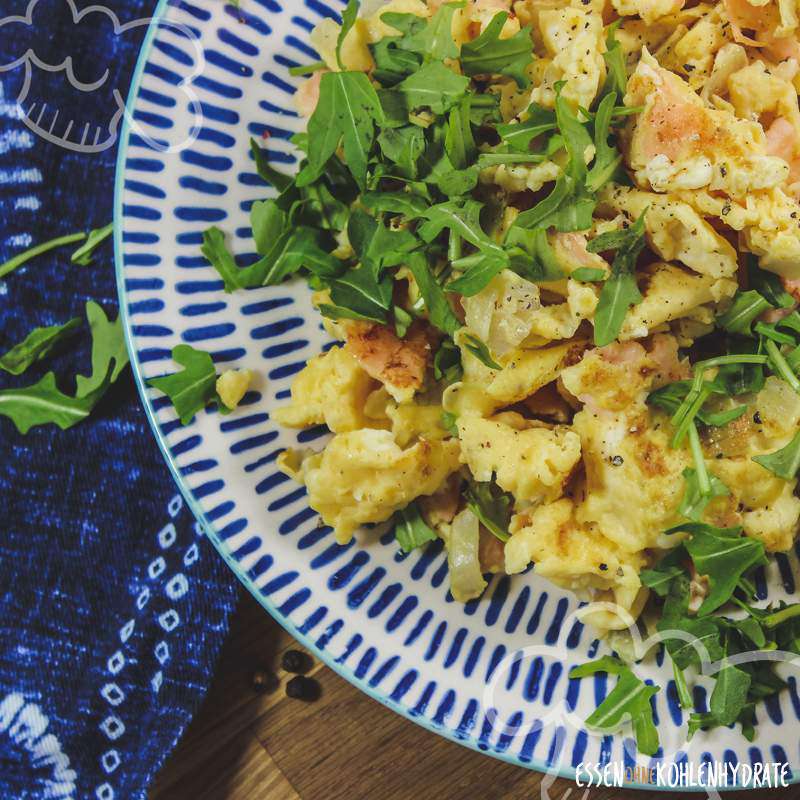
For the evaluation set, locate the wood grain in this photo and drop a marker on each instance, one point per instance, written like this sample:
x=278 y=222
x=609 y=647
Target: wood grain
x=345 y=746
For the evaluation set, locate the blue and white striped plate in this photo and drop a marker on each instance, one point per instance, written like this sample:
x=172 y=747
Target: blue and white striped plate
x=492 y=674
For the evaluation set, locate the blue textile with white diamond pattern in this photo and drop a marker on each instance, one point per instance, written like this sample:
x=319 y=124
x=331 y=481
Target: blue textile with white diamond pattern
x=113 y=606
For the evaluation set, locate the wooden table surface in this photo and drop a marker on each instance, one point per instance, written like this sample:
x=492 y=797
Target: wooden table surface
x=346 y=746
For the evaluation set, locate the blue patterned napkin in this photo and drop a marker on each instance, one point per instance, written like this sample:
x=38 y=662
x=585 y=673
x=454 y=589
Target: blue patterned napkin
x=113 y=606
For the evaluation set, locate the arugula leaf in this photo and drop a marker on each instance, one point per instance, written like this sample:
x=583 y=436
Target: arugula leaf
x=84 y=254
x=192 y=389
x=449 y=423
x=346 y=114
x=349 y=16
x=763 y=683
x=723 y=555
x=618 y=294
x=694 y=501
x=491 y=55
x=675 y=617
x=456 y=182
x=485 y=109
x=479 y=349
x=610 y=664
x=361 y=292
x=410 y=25
x=403 y=147
x=661 y=576
x=748 y=628
x=576 y=137
x=38 y=344
x=409 y=205
x=518 y=136
x=569 y=207
x=447 y=363
x=325 y=203
x=617 y=78
x=440 y=313
x=492 y=506
x=392 y=63
x=402 y=321
x=459 y=142
x=767 y=284
x=477 y=277
x=744 y=377
x=268 y=223
x=376 y=245
x=588 y=274
x=532 y=256
x=435 y=41
x=681 y=689
x=335 y=312
x=411 y=530
x=746 y=308
x=607 y=158
x=630 y=698
x=285 y=249
x=216 y=252
x=109 y=351
x=722 y=418
x=461 y=216
x=784 y=462
x=544 y=212
x=44 y=403
x=434 y=86
x=620 y=291
x=266 y=171
x=729 y=695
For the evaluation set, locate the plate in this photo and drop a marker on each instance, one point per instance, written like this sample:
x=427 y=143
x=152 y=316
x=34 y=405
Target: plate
x=491 y=674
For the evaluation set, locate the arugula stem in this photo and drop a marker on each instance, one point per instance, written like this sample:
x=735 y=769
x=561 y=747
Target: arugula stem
x=793 y=359
x=778 y=617
x=722 y=361
x=83 y=255
x=489 y=159
x=780 y=366
x=455 y=247
x=691 y=413
x=39 y=249
x=703 y=481
x=747 y=586
x=683 y=409
x=307 y=69
x=684 y=698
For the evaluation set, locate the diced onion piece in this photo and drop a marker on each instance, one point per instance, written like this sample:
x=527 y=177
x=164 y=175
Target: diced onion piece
x=779 y=406
x=466 y=580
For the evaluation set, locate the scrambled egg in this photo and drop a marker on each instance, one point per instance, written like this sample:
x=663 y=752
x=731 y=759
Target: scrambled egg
x=365 y=476
x=331 y=390
x=711 y=148
x=574 y=41
x=579 y=558
x=533 y=464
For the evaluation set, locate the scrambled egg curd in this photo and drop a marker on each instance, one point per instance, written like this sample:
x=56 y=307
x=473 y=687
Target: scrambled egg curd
x=521 y=440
